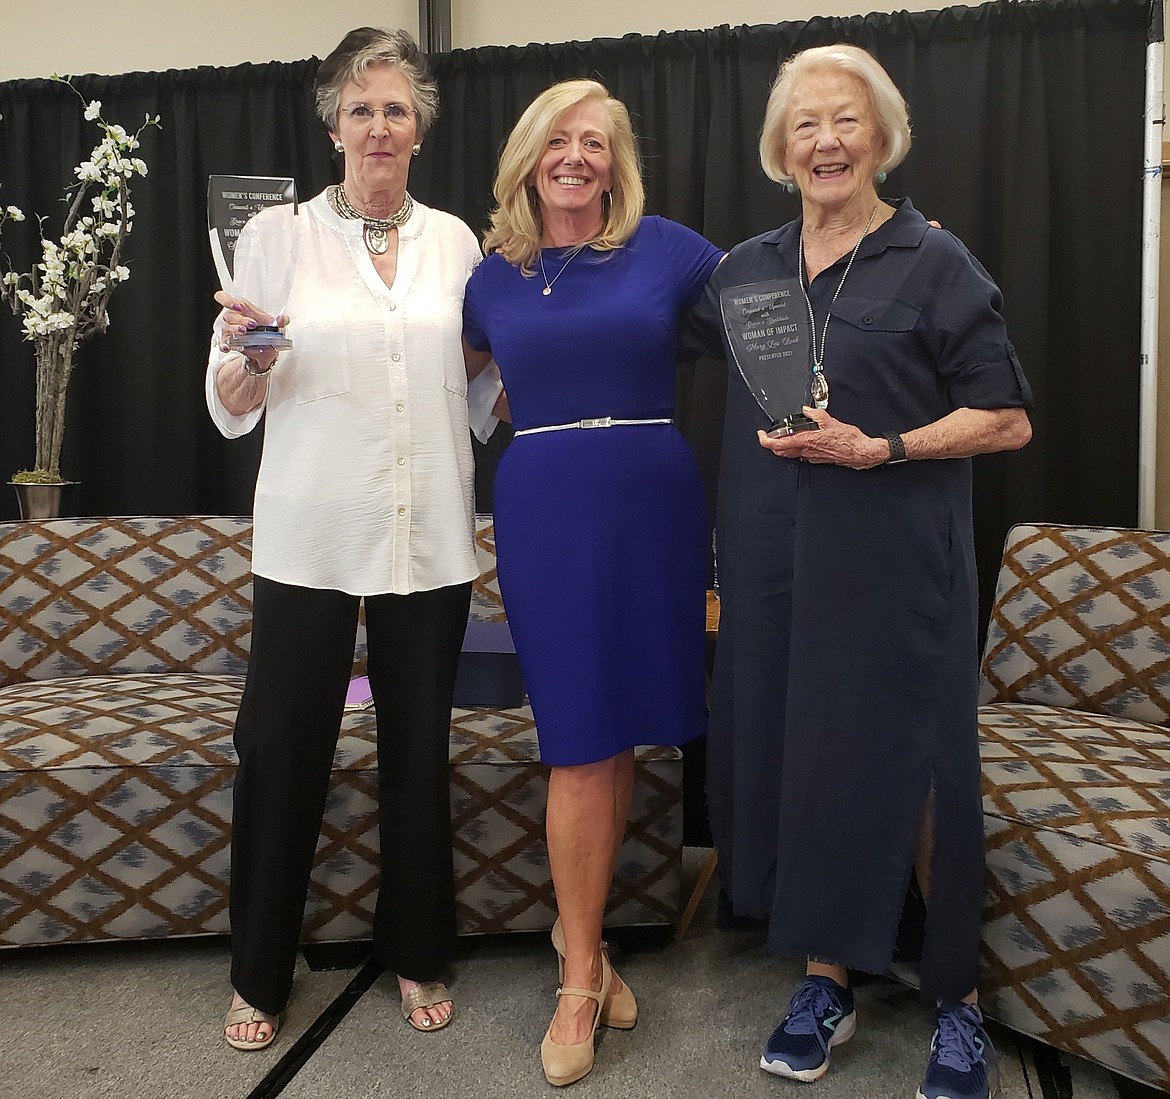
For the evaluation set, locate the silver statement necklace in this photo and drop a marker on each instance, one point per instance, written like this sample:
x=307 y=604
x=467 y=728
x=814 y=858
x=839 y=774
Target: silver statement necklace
x=375 y=231
x=543 y=274
x=819 y=390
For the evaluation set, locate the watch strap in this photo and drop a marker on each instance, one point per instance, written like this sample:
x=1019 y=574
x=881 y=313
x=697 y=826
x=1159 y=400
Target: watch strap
x=897 y=448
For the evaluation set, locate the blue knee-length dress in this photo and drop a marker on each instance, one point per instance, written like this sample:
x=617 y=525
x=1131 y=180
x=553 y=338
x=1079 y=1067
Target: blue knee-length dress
x=601 y=533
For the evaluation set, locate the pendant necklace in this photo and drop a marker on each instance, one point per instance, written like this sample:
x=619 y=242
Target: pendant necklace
x=549 y=285
x=375 y=231
x=819 y=389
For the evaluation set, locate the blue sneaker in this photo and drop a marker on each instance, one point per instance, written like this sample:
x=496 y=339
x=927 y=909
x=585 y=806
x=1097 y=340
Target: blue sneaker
x=960 y=1055
x=820 y=1016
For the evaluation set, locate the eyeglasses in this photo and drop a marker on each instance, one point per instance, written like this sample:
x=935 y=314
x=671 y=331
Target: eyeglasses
x=395 y=113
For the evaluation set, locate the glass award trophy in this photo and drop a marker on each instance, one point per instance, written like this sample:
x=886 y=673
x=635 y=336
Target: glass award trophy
x=231 y=201
x=767 y=331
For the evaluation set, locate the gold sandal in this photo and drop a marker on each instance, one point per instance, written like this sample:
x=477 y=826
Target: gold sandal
x=243 y=1015
x=426 y=995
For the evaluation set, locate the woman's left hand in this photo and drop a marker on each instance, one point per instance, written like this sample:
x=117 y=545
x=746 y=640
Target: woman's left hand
x=835 y=443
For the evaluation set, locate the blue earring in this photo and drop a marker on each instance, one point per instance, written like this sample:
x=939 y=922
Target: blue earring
x=790 y=187
x=881 y=177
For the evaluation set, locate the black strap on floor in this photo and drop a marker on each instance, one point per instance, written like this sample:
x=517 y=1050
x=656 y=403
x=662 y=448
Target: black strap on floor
x=1055 y=1079
x=1131 y=1089
x=1052 y=1074
x=308 y=1043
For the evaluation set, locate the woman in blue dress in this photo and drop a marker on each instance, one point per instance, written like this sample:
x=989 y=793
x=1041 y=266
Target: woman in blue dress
x=600 y=521
x=843 y=754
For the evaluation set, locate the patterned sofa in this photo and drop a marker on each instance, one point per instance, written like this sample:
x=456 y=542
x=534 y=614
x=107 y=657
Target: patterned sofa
x=123 y=645
x=1076 y=784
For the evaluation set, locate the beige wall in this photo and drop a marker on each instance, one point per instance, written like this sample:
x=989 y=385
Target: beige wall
x=507 y=22
x=80 y=36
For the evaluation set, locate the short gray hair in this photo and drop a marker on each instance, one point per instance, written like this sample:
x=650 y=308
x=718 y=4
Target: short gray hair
x=365 y=48
x=889 y=108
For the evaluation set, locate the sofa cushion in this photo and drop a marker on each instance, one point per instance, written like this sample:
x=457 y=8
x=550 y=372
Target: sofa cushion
x=1082 y=620
x=108 y=596
x=1089 y=776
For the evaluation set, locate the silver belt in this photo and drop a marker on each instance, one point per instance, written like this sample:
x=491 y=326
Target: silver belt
x=599 y=421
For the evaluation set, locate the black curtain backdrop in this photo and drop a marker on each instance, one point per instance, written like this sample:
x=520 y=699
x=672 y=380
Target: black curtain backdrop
x=1028 y=144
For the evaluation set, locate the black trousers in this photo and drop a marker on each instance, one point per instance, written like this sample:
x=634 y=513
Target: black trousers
x=286 y=737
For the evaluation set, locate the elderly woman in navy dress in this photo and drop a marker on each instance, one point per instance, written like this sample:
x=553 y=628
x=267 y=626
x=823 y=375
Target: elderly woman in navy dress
x=599 y=511
x=843 y=742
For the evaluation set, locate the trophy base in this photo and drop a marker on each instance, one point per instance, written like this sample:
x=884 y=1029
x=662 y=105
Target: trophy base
x=261 y=338
x=792 y=425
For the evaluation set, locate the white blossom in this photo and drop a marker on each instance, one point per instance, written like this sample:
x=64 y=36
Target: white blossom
x=105 y=205
x=62 y=300
x=45 y=324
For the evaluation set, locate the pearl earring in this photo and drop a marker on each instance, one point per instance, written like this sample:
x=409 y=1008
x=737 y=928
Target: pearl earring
x=339 y=146
x=416 y=150
x=790 y=187
x=882 y=177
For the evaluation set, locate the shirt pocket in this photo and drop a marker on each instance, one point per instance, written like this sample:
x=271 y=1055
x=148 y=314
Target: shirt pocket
x=877 y=314
x=456 y=384
x=881 y=338
x=321 y=360
x=455 y=373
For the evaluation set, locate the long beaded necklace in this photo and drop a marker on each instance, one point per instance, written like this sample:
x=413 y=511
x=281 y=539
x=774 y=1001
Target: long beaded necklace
x=375 y=231
x=549 y=285
x=819 y=390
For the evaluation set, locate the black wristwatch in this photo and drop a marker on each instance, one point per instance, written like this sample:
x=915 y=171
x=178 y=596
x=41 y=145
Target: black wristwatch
x=897 y=448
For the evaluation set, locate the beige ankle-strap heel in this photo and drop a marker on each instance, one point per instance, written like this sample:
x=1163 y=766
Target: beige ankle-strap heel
x=567 y=1064
x=620 y=1010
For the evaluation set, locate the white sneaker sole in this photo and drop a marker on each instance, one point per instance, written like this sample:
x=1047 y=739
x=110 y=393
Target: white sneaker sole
x=841 y=1035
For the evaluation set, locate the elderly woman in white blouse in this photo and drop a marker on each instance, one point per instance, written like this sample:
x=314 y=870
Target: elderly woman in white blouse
x=365 y=491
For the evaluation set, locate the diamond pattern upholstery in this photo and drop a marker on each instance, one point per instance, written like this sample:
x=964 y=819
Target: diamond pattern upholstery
x=123 y=647
x=1076 y=787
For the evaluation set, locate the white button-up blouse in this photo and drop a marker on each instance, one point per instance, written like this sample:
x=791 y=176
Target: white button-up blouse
x=366 y=479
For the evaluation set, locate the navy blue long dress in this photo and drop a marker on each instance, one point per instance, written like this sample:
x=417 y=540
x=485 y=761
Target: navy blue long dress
x=847 y=668
x=601 y=533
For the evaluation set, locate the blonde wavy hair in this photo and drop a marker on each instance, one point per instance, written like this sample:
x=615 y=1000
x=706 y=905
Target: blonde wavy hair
x=889 y=108
x=516 y=222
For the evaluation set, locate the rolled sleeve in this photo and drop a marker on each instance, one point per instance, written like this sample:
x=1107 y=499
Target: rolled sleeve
x=975 y=358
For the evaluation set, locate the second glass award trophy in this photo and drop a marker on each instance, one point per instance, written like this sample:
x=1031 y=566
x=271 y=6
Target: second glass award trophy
x=767 y=331
x=231 y=201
